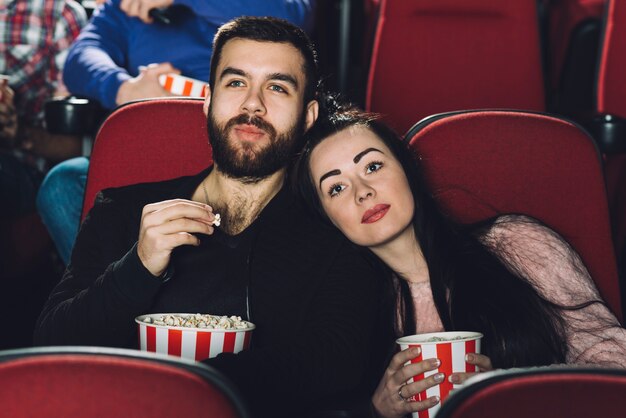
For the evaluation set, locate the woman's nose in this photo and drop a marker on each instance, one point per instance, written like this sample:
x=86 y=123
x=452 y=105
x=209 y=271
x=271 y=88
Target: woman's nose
x=364 y=192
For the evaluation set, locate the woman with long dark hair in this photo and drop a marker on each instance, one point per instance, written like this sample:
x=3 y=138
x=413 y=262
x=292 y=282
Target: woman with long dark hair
x=511 y=278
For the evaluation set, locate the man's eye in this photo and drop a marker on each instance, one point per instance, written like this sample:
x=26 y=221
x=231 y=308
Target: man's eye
x=335 y=189
x=278 y=89
x=373 y=166
x=235 y=83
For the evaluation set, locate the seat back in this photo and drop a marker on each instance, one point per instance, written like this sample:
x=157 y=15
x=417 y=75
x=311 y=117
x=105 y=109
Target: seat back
x=433 y=56
x=490 y=162
x=148 y=140
x=543 y=392
x=103 y=382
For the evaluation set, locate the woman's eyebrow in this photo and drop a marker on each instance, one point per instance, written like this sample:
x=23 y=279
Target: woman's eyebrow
x=360 y=155
x=330 y=173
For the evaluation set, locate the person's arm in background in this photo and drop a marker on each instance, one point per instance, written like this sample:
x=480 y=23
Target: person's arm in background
x=96 y=65
x=298 y=12
x=68 y=27
x=33 y=136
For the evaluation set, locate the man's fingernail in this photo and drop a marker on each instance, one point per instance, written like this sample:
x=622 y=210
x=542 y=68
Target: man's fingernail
x=469 y=357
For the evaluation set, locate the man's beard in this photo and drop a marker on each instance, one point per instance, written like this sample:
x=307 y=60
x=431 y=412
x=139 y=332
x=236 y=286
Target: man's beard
x=246 y=161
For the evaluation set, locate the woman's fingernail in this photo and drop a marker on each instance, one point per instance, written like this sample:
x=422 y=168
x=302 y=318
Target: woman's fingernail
x=439 y=377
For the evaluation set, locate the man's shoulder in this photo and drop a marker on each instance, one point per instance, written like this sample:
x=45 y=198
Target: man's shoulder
x=144 y=193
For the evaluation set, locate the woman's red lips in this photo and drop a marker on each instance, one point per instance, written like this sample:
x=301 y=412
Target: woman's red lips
x=375 y=214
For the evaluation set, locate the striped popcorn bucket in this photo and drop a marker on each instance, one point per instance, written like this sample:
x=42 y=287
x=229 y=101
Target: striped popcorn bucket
x=450 y=348
x=191 y=343
x=183 y=86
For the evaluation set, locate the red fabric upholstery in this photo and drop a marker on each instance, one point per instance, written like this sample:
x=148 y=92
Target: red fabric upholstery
x=149 y=140
x=541 y=393
x=433 y=56
x=105 y=383
x=611 y=85
x=481 y=164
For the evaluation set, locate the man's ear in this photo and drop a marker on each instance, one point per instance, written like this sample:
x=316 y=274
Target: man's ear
x=311 y=113
x=207 y=100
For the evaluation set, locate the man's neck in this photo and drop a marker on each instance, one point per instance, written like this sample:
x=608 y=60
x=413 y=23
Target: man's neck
x=239 y=203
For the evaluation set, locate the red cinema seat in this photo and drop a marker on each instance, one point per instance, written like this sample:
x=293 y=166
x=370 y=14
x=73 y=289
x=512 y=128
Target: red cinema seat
x=433 y=56
x=542 y=392
x=72 y=382
x=488 y=162
x=148 y=140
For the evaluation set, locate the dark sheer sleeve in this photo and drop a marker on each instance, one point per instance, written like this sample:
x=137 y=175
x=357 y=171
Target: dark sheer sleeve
x=556 y=271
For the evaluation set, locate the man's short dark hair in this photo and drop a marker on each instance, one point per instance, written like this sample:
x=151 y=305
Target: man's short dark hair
x=268 y=29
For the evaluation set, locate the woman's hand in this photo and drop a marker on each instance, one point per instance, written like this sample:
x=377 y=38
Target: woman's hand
x=482 y=362
x=392 y=396
x=170 y=224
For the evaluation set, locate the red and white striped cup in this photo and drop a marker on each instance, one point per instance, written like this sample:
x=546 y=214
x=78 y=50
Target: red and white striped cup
x=183 y=86
x=190 y=343
x=450 y=348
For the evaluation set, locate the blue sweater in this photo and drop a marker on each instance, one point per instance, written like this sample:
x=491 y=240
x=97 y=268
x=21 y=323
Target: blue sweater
x=112 y=46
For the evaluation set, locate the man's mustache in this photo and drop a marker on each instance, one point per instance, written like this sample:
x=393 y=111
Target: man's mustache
x=255 y=121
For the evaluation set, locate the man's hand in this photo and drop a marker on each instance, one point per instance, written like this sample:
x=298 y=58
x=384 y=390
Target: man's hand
x=141 y=8
x=146 y=84
x=170 y=224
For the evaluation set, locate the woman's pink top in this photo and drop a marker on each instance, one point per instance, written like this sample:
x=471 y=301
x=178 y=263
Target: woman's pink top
x=529 y=249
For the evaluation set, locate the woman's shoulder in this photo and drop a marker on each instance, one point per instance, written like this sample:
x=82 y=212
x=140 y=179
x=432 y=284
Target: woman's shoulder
x=536 y=252
x=523 y=231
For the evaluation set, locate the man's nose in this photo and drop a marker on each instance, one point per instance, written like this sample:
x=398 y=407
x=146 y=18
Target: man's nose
x=253 y=103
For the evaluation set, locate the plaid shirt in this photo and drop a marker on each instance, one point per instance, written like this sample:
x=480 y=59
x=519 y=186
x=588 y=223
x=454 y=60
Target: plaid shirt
x=34 y=39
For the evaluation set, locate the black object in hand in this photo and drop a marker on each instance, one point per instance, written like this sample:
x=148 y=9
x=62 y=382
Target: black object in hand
x=160 y=15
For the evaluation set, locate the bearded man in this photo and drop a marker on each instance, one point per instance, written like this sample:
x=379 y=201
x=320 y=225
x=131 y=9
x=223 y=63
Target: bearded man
x=312 y=296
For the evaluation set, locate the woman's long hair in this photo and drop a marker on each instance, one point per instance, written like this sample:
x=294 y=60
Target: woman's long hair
x=472 y=289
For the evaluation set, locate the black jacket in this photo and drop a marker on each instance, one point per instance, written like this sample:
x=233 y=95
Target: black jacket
x=315 y=299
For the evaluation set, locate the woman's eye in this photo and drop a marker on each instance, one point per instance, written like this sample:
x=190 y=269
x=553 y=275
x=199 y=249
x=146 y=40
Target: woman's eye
x=373 y=166
x=335 y=189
